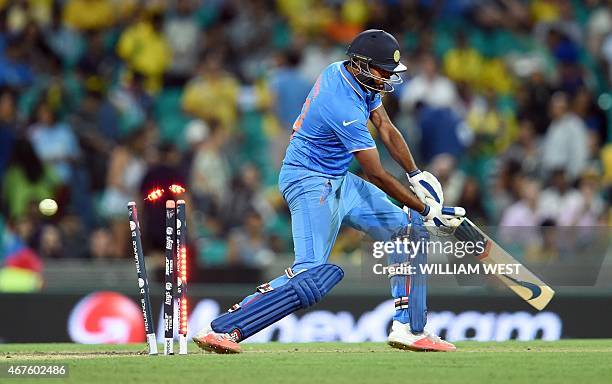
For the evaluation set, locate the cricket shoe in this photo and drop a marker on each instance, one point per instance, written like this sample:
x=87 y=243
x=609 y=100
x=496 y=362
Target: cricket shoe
x=211 y=341
x=401 y=337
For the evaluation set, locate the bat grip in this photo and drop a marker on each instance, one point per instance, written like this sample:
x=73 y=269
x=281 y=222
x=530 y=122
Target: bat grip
x=453 y=211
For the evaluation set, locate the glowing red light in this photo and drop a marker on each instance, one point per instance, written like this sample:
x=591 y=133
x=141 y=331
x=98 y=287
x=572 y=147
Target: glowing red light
x=183 y=265
x=155 y=194
x=176 y=189
x=183 y=315
x=182 y=270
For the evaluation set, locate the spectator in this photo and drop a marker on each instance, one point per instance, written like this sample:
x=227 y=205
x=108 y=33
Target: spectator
x=36 y=51
x=569 y=206
x=95 y=124
x=472 y=200
x=444 y=167
x=590 y=209
x=210 y=172
x=442 y=132
x=463 y=63
x=491 y=128
x=248 y=245
x=511 y=14
x=520 y=218
x=594 y=118
x=562 y=21
x=318 y=55
x=546 y=249
x=557 y=197
x=429 y=87
x=290 y=88
x=599 y=26
x=533 y=98
x=182 y=33
x=65 y=42
x=100 y=244
x=54 y=142
x=132 y=103
x=126 y=169
x=246 y=195
x=505 y=188
x=243 y=34
x=15 y=70
x=565 y=144
x=51 y=246
x=86 y=15
x=525 y=150
x=213 y=93
x=96 y=64
x=145 y=49
x=496 y=76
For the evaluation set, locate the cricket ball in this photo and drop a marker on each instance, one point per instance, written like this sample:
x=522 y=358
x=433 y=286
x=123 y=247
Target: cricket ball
x=48 y=207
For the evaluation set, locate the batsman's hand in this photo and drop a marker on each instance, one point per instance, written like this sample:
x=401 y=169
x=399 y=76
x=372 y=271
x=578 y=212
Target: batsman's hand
x=424 y=185
x=445 y=219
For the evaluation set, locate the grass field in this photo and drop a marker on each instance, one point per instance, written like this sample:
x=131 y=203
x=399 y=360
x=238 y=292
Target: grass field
x=572 y=361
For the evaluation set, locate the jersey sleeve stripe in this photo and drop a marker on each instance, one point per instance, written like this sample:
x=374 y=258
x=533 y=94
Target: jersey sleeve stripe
x=378 y=106
x=362 y=149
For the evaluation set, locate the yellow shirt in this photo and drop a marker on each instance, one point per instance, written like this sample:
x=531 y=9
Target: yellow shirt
x=89 y=14
x=145 y=51
x=544 y=11
x=213 y=98
x=495 y=76
x=463 y=65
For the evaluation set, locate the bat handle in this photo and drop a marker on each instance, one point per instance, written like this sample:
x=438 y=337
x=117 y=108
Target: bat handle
x=453 y=211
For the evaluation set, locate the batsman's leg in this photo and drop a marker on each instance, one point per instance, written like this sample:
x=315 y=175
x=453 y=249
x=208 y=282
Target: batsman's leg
x=372 y=212
x=316 y=220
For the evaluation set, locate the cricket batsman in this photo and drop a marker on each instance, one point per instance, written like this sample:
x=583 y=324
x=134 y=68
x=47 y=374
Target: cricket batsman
x=322 y=195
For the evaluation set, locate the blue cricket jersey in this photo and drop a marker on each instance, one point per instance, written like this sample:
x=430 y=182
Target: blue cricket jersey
x=332 y=124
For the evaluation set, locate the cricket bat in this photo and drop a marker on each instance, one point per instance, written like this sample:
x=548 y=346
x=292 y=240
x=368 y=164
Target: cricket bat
x=524 y=283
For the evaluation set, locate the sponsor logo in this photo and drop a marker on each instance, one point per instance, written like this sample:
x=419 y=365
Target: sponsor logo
x=373 y=325
x=106 y=318
x=109 y=317
x=169 y=267
x=535 y=289
x=132 y=226
x=167 y=323
x=347 y=123
x=135 y=248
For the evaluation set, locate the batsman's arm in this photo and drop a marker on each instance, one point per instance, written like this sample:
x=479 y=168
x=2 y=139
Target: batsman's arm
x=393 y=139
x=370 y=163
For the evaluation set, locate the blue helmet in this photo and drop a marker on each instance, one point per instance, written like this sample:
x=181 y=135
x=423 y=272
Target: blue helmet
x=380 y=50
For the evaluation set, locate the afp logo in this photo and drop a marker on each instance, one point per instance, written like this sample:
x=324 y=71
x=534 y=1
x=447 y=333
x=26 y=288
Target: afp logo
x=106 y=318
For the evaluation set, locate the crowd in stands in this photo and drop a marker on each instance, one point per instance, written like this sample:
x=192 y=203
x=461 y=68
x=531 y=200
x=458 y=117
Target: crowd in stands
x=507 y=102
